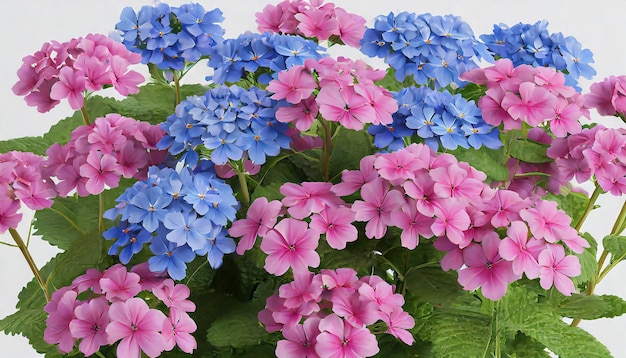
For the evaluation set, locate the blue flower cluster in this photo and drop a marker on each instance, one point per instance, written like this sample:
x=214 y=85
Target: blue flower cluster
x=249 y=52
x=427 y=47
x=232 y=122
x=168 y=36
x=438 y=117
x=180 y=214
x=534 y=45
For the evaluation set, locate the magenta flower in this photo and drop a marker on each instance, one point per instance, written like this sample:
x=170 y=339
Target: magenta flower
x=177 y=329
x=455 y=182
x=351 y=27
x=339 y=339
x=556 y=268
x=345 y=106
x=89 y=325
x=60 y=314
x=412 y=223
x=260 y=218
x=355 y=310
x=301 y=115
x=317 y=22
x=311 y=197
x=375 y=290
x=336 y=224
x=533 y=106
x=293 y=85
x=290 y=244
x=521 y=250
x=303 y=293
x=124 y=81
x=9 y=217
x=71 y=86
x=138 y=328
x=452 y=220
x=377 y=206
x=398 y=166
x=398 y=323
x=486 y=269
x=353 y=180
x=118 y=284
x=300 y=340
x=174 y=296
x=100 y=170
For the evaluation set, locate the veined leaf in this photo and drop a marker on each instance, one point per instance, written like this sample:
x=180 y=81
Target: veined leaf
x=485 y=160
x=588 y=261
x=529 y=151
x=616 y=245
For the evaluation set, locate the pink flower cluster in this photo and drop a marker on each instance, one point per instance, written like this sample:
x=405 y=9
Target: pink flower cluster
x=335 y=308
x=608 y=97
x=98 y=155
x=533 y=95
x=113 y=313
x=340 y=90
x=68 y=69
x=425 y=195
x=312 y=19
x=22 y=181
x=597 y=151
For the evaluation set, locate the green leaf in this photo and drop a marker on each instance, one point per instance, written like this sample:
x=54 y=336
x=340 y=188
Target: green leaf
x=588 y=262
x=392 y=84
x=616 y=245
x=529 y=151
x=239 y=328
x=582 y=306
x=69 y=219
x=525 y=347
x=485 y=160
x=473 y=91
x=348 y=148
x=540 y=322
x=433 y=285
x=34 y=145
x=573 y=203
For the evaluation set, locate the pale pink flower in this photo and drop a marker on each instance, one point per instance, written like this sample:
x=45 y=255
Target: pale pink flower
x=398 y=166
x=556 y=268
x=351 y=27
x=177 y=329
x=71 y=85
x=353 y=180
x=381 y=293
x=566 y=118
x=318 y=22
x=137 y=326
x=345 y=106
x=290 y=244
x=356 y=311
x=118 y=284
x=60 y=314
x=454 y=182
x=451 y=219
x=124 y=81
x=398 y=323
x=339 y=339
x=377 y=206
x=303 y=293
x=175 y=296
x=293 y=85
x=336 y=224
x=100 y=170
x=301 y=114
x=533 y=105
x=310 y=197
x=521 y=250
x=260 y=218
x=412 y=223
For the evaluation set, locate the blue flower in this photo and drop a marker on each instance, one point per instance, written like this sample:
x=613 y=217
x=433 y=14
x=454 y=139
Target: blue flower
x=216 y=246
x=187 y=228
x=170 y=257
x=148 y=208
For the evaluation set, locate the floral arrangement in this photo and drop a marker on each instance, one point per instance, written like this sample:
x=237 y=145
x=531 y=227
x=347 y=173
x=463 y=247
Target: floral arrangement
x=297 y=204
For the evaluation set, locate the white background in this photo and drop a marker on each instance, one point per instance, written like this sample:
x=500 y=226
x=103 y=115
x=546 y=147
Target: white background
x=28 y=24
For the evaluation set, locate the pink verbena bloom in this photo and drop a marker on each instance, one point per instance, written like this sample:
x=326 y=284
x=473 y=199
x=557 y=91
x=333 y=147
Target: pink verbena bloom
x=100 y=170
x=378 y=291
x=174 y=296
x=293 y=85
x=340 y=279
x=521 y=250
x=260 y=218
x=90 y=324
x=301 y=114
x=353 y=180
x=549 y=223
x=486 y=269
x=137 y=326
x=454 y=182
x=71 y=86
x=503 y=208
x=336 y=224
x=60 y=314
x=345 y=105
x=381 y=101
x=377 y=206
x=398 y=323
x=311 y=197
x=533 y=105
x=290 y=244
x=556 y=268
x=566 y=119
x=118 y=284
x=300 y=341
x=303 y=293
x=412 y=223
x=356 y=311
x=339 y=339
x=351 y=27
x=177 y=329
x=451 y=219
x=318 y=22
x=398 y=166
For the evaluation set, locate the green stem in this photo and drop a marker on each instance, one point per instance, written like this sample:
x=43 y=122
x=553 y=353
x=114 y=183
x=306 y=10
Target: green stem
x=590 y=204
x=31 y=263
x=177 y=87
x=83 y=112
x=393 y=267
x=99 y=354
x=101 y=212
x=243 y=183
x=327 y=149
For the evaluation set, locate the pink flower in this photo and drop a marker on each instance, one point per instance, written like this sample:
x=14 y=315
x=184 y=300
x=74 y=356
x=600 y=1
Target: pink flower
x=356 y=311
x=556 y=268
x=351 y=27
x=88 y=280
x=336 y=224
x=138 y=327
x=486 y=269
x=290 y=244
x=454 y=182
x=339 y=339
x=381 y=101
x=566 y=118
x=375 y=290
x=398 y=323
x=451 y=219
x=377 y=206
x=412 y=223
x=533 y=106
x=71 y=86
x=398 y=166
x=600 y=95
x=174 y=296
x=90 y=324
x=340 y=279
x=521 y=250
x=311 y=197
x=100 y=170
x=9 y=217
x=319 y=23
x=60 y=314
x=353 y=180
x=301 y=114
x=118 y=284
x=260 y=218
x=303 y=293
x=300 y=341
x=345 y=106
x=293 y=85
x=124 y=81
x=177 y=329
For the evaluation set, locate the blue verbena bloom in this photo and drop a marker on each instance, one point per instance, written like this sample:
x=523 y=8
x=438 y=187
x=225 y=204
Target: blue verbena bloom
x=170 y=257
x=187 y=228
x=216 y=246
x=148 y=208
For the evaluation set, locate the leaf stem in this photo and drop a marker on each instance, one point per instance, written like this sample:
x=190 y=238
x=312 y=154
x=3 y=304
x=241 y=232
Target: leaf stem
x=29 y=260
x=243 y=183
x=327 y=149
x=83 y=112
x=101 y=212
x=590 y=204
x=177 y=86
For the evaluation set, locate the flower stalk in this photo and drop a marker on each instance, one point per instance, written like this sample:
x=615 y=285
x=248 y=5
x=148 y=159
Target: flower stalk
x=31 y=263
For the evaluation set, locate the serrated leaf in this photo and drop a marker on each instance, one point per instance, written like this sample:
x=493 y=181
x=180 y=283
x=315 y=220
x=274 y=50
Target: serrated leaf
x=348 y=148
x=582 y=306
x=433 y=285
x=529 y=151
x=473 y=91
x=540 y=322
x=616 y=245
x=239 y=328
x=485 y=160
x=34 y=145
x=572 y=203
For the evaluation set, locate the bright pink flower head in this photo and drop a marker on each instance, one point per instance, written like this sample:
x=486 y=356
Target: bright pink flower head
x=521 y=250
x=398 y=323
x=300 y=340
x=533 y=105
x=301 y=114
x=600 y=95
x=336 y=224
x=100 y=170
x=90 y=324
x=303 y=293
x=294 y=85
x=339 y=339
x=398 y=166
x=60 y=314
x=175 y=296
x=260 y=218
x=138 y=327
x=345 y=105
x=353 y=180
x=290 y=244
x=118 y=284
x=377 y=207
x=318 y=22
x=355 y=310
x=413 y=224
x=451 y=219
x=351 y=27
x=177 y=329
x=381 y=293
x=486 y=269
x=340 y=279
x=311 y=197
x=556 y=268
